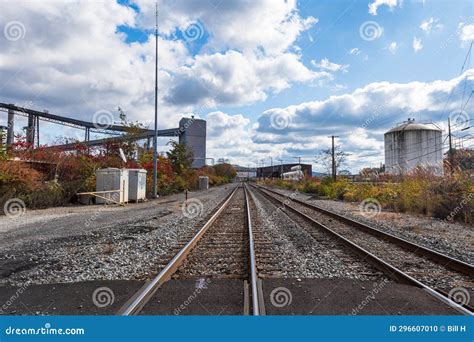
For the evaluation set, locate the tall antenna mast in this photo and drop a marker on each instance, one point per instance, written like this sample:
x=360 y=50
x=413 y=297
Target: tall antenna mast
x=155 y=135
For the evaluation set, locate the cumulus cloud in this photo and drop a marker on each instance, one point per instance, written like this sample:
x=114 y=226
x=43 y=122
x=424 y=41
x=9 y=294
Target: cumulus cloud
x=362 y=117
x=431 y=24
x=237 y=78
x=73 y=60
x=268 y=25
x=373 y=7
x=417 y=45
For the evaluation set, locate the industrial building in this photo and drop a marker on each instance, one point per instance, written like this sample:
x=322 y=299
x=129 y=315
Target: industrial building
x=410 y=145
x=245 y=173
x=276 y=171
x=192 y=132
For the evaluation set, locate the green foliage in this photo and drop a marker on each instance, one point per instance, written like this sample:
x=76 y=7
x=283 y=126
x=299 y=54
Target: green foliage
x=225 y=170
x=181 y=157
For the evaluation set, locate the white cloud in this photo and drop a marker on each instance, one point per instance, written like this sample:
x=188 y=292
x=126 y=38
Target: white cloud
x=73 y=62
x=466 y=32
x=236 y=78
x=361 y=117
x=392 y=47
x=431 y=24
x=239 y=24
x=417 y=45
x=373 y=7
x=325 y=64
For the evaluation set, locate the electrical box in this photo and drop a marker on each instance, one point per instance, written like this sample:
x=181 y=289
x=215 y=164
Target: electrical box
x=203 y=183
x=111 y=179
x=136 y=184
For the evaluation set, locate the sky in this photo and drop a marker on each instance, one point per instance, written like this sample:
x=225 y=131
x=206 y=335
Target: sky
x=272 y=78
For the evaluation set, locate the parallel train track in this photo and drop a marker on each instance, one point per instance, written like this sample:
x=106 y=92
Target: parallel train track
x=223 y=247
x=399 y=259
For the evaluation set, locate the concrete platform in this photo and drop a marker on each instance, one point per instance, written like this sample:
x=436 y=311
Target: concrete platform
x=67 y=299
x=207 y=296
x=349 y=297
x=202 y=296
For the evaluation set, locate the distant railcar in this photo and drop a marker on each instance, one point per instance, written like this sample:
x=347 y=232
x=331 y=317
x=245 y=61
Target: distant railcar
x=293 y=175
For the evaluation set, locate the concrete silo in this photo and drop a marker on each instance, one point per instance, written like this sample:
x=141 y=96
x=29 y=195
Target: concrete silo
x=410 y=145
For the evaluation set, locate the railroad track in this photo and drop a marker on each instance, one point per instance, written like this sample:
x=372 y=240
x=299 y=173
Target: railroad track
x=223 y=247
x=399 y=259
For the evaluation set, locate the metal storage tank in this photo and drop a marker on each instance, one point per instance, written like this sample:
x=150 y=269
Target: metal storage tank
x=136 y=184
x=112 y=179
x=410 y=145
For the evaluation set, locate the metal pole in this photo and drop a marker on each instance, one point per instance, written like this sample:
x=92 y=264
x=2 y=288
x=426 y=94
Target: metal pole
x=451 y=155
x=333 y=160
x=155 y=135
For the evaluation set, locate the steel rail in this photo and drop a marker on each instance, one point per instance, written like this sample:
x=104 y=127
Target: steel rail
x=143 y=296
x=443 y=259
x=253 y=264
x=389 y=270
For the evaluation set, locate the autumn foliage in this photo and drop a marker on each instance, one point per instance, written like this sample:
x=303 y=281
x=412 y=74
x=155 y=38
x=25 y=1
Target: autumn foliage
x=44 y=177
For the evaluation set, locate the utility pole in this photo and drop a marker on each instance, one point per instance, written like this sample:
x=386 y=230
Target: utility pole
x=334 y=175
x=155 y=135
x=299 y=160
x=271 y=163
x=281 y=167
x=451 y=155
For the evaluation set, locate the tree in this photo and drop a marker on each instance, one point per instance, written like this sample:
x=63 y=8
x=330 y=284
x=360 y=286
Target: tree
x=181 y=157
x=324 y=158
x=463 y=159
x=225 y=170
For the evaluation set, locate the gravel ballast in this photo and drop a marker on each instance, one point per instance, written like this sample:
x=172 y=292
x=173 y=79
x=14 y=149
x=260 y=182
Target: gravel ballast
x=453 y=239
x=297 y=253
x=62 y=245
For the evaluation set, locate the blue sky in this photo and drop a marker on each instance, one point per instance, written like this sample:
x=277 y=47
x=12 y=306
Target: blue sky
x=272 y=78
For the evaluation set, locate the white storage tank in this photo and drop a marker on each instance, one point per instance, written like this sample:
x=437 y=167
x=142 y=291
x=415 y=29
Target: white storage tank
x=110 y=179
x=136 y=184
x=411 y=145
